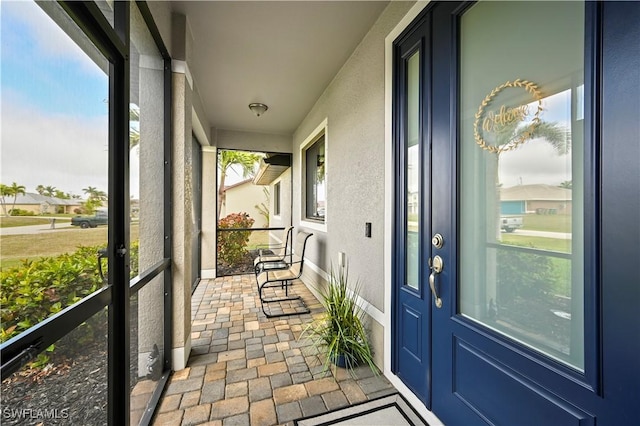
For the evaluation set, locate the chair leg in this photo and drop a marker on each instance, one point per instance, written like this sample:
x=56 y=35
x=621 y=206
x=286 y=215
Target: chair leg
x=264 y=301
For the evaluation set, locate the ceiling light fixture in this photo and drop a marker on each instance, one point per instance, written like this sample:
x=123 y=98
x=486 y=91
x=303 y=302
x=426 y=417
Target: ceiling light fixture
x=258 y=108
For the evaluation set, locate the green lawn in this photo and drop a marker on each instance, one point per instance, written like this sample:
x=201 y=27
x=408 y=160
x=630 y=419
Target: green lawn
x=547 y=222
x=258 y=239
x=15 y=248
x=541 y=243
x=13 y=221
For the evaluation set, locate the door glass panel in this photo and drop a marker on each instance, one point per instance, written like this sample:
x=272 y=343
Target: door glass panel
x=521 y=173
x=412 y=171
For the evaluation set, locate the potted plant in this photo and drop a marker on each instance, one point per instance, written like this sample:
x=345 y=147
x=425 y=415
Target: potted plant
x=340 y=333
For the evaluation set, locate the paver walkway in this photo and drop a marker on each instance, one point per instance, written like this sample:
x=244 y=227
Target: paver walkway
x=247 y=369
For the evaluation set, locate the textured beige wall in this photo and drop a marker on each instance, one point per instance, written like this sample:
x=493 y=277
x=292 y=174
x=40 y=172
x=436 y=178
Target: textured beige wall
x=354 y=106
x=244 y=198
x=284 y=219
x=209 y=208
x=181 y=214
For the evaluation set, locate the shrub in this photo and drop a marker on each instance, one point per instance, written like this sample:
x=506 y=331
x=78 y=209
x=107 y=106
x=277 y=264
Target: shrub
x=21 y=212
x=37 y=289
x=232 y=245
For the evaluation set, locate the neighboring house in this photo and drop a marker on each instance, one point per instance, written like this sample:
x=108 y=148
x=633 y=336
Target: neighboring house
x=243 y=197
x=42 y=204
x=536 y=198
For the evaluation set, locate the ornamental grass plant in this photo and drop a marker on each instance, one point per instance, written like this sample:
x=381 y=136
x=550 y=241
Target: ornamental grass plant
x=340 y=333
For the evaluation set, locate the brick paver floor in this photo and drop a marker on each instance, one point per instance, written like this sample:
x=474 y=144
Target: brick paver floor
x=247 y=369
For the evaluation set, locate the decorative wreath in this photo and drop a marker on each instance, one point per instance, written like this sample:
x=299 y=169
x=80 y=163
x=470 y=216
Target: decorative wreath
x=529 y=87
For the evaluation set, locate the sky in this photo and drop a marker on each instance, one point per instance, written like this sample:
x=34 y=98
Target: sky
x=54 y=122
x=53 y=106
x=535 y=161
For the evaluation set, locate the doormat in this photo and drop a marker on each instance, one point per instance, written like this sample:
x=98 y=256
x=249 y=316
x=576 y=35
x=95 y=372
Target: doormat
x=392 y=410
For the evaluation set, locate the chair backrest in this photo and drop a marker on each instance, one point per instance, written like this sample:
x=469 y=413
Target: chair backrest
x=285 y=247
x=298 y=253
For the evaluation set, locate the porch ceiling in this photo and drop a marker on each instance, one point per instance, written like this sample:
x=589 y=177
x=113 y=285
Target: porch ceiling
x=280 y=53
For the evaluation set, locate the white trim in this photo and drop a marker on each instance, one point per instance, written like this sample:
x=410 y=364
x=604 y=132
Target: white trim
x=317 y=226
x=322 y=128
x=417 y=404
x=181 y=67
x=198 y=130
x=207 y=274
x=180 y=356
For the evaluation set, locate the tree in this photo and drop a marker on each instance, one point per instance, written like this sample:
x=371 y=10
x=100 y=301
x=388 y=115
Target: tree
x=559 y=137
x=95 y=193
x=4 y=192
x=40 y=189
x=263 y=208
x=49 y=191
x=16 y=190
x=94 y=200
x=567 y=184
x=226 y=159
x=62 y=195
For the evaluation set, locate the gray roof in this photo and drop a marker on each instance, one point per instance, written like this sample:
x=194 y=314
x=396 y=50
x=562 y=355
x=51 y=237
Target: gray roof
x=537 y=192
x=31 y=198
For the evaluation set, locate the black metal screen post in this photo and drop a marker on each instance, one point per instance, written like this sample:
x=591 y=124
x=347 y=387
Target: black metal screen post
x=168 y=206
x=119 y=315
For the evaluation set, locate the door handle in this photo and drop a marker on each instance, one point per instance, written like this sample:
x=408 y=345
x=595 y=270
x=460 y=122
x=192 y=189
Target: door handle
x=436 y=267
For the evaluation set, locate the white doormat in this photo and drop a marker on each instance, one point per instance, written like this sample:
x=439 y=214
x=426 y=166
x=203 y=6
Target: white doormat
x=392 y=410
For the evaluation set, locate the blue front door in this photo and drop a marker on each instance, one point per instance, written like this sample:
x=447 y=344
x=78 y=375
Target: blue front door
x=412 y=298
x=536 y=326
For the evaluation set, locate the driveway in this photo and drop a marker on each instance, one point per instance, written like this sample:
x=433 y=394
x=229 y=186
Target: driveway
x=544 y=234
x=33 y=229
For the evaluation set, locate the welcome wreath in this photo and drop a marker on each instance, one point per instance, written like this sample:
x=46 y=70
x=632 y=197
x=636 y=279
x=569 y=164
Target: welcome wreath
x=530 y=87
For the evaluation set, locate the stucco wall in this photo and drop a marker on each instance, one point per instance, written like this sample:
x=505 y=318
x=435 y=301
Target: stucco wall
x=284 y=218
x=242 y=199
x=354 y=107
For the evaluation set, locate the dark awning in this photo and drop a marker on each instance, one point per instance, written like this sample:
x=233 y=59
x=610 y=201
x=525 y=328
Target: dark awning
x=272 y=166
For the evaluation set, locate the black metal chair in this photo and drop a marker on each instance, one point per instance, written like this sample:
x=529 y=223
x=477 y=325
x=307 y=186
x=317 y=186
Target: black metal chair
x=274 y=253
x=281 y=275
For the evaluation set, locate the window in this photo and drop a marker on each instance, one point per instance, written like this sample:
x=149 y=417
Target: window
x=276 y=199
x=315 y=180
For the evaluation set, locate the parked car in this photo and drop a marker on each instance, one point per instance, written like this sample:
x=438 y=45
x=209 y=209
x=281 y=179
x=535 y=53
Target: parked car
x=510 y=223
x=100 y=218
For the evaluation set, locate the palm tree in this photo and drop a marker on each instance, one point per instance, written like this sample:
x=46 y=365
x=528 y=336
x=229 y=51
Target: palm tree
x=40 y=189
x=245 y=160
x=94 y=193
x=4 y=191
x=567 y=184
x=16 y=190
x=559 y=137
x=49 y=191
x=61 y=194
x=95 y=198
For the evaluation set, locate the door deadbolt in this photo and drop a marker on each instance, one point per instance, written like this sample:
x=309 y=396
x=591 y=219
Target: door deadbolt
x=437 y=241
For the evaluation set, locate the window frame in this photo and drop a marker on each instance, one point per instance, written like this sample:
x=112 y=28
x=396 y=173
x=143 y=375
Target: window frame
x=277 y=190
x=320 y=132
